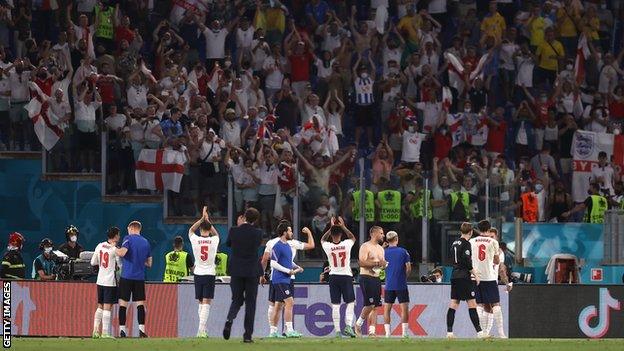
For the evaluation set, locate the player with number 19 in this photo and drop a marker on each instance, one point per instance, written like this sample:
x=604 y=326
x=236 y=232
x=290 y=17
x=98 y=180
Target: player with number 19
x=205 y=251
x=107 y=261
x=338 y=253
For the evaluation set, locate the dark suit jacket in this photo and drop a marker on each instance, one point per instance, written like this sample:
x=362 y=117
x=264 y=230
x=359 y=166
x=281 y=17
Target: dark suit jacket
x=245 y=241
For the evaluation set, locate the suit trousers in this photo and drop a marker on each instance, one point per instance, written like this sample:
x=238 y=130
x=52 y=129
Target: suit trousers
x=244 y=290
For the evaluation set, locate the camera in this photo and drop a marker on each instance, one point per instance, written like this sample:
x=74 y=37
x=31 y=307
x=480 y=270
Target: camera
x=517 y=277
x=430 y=278
x=72 y=269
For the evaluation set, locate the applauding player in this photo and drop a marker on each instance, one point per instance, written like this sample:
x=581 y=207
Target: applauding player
x=105 y=257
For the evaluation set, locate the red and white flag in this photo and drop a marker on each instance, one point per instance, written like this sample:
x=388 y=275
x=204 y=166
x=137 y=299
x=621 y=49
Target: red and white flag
x=215 y=77
x=447 y=98
x=582 y=54
x=455 y=72
x=585 y=149
x=455 y=123
x=40 y=114
x=160 y=169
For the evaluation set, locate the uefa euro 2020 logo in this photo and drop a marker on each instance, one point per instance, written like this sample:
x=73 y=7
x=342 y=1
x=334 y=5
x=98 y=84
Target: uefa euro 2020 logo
x=603 y=314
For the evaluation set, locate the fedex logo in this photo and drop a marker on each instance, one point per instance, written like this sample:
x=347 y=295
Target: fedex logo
x=317 y=316
x=606 y=303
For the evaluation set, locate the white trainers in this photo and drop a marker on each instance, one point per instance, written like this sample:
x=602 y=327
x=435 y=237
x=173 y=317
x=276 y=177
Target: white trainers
x=450 y=335
x=481 y=335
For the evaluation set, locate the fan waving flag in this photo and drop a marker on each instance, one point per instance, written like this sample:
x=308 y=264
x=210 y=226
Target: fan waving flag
x=456 y=128
x=582 y=54
x=160 y=169
x=585 y=149
x=40 y=114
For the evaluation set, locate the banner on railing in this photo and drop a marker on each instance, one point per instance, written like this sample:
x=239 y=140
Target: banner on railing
x=66 y=309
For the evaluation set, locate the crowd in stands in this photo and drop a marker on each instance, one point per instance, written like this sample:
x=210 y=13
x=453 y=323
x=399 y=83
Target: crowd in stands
x=286 y=96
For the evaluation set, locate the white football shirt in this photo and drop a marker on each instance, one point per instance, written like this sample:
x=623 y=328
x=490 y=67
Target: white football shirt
x=294 y=246
x=483 y=251
x=204 y=251
x=339 y=257
x=105 y=257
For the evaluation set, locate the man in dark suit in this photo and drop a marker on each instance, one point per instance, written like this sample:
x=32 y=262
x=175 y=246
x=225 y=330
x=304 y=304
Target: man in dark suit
x=244 y=268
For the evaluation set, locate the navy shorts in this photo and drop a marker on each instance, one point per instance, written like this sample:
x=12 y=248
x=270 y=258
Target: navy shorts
x=281 y=292
x=341 y=289
x=463 y=289
x=391 y=296
x=204 y=286
x=487 y=292
x=272 y=292
x=107 y=294
x=371 y=290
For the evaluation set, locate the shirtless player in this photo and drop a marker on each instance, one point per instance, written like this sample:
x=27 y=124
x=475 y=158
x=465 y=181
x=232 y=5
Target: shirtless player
x=371 y=260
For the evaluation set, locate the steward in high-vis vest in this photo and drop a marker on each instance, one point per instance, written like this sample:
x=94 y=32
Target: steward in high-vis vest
x=105 y=23
x=595 y=205
x=221 y=262
x=416 y=203
x=388 y=204
x=178 y=263
x=459 y=204
x=369 y=206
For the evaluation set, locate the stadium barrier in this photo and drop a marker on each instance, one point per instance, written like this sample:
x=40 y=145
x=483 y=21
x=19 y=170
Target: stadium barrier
x=66 y=309
x=566 y=311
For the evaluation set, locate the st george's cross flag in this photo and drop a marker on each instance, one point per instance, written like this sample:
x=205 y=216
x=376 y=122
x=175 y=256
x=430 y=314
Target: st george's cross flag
x=160 y=169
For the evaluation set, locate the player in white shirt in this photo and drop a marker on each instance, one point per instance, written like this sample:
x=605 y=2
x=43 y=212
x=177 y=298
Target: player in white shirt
x=107 y=261
x=205 y=251
x=295 y=245
x=338 y=253
x=496 y=313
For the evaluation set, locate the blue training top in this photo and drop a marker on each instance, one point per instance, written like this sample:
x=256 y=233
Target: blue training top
x=396 y=257
x=133 y=263
x=283 y=255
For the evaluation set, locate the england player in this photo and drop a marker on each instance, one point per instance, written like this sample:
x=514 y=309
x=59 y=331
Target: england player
x=338 y=253
x=462 y=286
x=484 y=259
x=204 y=250
x=107 y=261
x=266 y=258
x=371 y=260
x=496 y=314
x=399 y=267
x=283 y=270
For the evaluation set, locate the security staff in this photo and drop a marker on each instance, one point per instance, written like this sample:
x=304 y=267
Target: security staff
x=416 y=203
x=459 y=204
x=44 y=265
x=71 y=247
x=13 y=266
x=389 y=203
x=178 y=263
x=595 y=204
x=369 y=206
x=221 y=261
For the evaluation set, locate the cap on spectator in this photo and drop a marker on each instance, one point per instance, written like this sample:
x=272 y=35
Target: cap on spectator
x=230 y=111
x=211 y=131
x=391 y=235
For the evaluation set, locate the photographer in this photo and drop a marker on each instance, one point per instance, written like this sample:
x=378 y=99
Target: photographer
x=71 y=247
x=434 y=276
x=44 y=266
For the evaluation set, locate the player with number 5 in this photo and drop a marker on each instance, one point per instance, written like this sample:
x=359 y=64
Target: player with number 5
x=107 y=261
x=338 y=253
x=205 y=250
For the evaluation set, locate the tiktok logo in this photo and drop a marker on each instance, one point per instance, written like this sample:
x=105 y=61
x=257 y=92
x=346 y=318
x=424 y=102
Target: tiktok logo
x=590 y=312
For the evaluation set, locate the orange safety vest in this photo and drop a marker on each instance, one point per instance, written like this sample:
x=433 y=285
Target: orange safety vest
x=529 y=207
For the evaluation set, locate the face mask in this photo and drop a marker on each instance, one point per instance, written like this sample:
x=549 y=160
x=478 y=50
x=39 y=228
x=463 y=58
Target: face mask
x=73 y=238
x=411 y=129
x=521 y=166
x=617 y=131
x=523 y=188
x=438 y=280
x=569 y=67
x=544 y=99
x=467 y=109
x=47 y=250
x=538 y=188
x=227 y=64
x=443 y=131
x=12 y=248
x=364 y=75
x=239 y=91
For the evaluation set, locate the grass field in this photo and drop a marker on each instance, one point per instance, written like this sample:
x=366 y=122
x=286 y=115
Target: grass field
x=67 y=344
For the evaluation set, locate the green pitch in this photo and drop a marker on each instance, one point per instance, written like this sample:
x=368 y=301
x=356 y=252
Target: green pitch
x=324 y=344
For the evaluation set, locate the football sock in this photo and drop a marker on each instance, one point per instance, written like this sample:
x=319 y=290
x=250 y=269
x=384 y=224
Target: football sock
x=359 y=321
x=141 y=317
x=349 y=313
x=474 y=318
x=387 y=330
x=498 y=317
x=270 y=314
x=289 y=327
x=482 y=317
x=106 y=321
x=405 y=328
x=122 y=318
x=336 y=317
x=97 y=320
x=489 y=324
x=273 y=329
x=450 y=320
x=200 y=308
x=371 y=329
x=203 y=319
